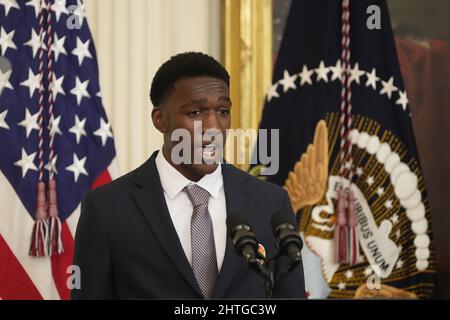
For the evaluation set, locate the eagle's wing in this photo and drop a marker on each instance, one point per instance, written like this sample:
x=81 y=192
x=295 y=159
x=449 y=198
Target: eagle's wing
x=307 y=183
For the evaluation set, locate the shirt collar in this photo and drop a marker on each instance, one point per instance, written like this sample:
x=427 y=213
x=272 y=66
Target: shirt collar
x=173 y=182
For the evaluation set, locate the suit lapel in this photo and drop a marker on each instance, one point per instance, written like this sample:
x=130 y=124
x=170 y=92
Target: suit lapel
x=149 y=196
x=237 y=197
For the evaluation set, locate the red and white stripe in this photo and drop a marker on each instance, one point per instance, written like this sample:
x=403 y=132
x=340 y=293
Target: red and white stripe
x=26 y=277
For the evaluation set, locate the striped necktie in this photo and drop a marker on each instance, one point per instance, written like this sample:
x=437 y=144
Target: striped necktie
x=204 y=260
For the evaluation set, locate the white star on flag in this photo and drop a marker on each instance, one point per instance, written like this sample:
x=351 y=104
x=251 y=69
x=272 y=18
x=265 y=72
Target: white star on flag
x=104 y=131
x=388 y=87
x=59 y=7
x=347 y=165
x=78 y=128
x=368 y=271
x=372 y=79
x=359 y=171
x=403 y=100
x=80 y=12
x=33 y=82
x=52 y=165
x=380 y=191
x=272 y=93
x=82 y=50
x=77 y=167
x=54 y=126
x=26 y=162
x=6 y=40
x=322 y=72
x=305 y=76
x=4 y=80
x=80 y=90
x=388 y=204
x=399 y=263
x=355 y=73
x=370 y=181
x=36 y=4
x=341 y=286
x=56 y=86
x=58 y=46
x=394 y=218
x=34 y=42
x=337 y=71
x=9 y=4
x=349 y=274
x=288 y=81
x=3 y=123
x=30 y=122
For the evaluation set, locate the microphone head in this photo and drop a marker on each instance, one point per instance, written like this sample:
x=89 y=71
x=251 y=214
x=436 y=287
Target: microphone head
x=244 y=240
x=281 y=221
x=286 y=232
x=235 y=219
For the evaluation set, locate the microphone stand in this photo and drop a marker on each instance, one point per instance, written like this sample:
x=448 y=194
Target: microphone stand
x=293 y=262
x=265 y=273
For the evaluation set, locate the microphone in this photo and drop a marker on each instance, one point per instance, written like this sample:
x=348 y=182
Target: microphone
x=289 y=240
x=246 y=245
x=244 y=239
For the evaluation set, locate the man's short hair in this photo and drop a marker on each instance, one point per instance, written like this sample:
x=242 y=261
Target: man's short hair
x=182 y=66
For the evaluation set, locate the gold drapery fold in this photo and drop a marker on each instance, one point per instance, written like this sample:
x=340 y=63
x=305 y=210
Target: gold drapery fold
x=247 y=55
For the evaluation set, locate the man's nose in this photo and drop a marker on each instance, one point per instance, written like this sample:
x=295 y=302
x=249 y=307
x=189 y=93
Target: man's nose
x=211 y=121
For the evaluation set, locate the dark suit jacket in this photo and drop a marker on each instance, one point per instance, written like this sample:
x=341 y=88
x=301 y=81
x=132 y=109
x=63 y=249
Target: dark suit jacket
x=127 y=248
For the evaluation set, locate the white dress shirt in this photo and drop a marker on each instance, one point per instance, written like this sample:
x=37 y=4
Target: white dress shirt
x=181 y=208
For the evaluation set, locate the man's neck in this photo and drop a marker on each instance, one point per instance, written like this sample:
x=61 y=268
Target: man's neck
x=181 y=168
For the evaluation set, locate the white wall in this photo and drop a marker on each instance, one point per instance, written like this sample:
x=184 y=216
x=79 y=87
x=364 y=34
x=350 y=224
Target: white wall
x=133 y=38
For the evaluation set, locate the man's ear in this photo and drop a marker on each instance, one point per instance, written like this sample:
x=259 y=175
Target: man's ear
x=159 y=119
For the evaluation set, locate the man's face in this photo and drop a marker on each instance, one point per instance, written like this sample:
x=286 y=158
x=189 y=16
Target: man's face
x=200 y=100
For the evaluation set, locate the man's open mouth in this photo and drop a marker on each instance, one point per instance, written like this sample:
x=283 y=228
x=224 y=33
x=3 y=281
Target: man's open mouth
x=209 y=151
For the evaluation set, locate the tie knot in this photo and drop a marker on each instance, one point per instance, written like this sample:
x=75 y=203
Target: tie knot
x=197 y=194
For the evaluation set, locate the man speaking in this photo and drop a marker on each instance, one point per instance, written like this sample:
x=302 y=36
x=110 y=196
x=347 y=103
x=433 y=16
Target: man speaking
x=160 y=232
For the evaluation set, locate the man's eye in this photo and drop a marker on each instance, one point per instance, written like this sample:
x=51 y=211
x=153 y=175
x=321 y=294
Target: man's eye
x=224 y=112
x=194 y=113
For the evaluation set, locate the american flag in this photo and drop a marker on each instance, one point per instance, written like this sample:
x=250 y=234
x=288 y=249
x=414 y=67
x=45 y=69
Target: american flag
x=81 y=155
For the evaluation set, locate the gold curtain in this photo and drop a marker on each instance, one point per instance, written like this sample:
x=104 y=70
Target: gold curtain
x=247 y=54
